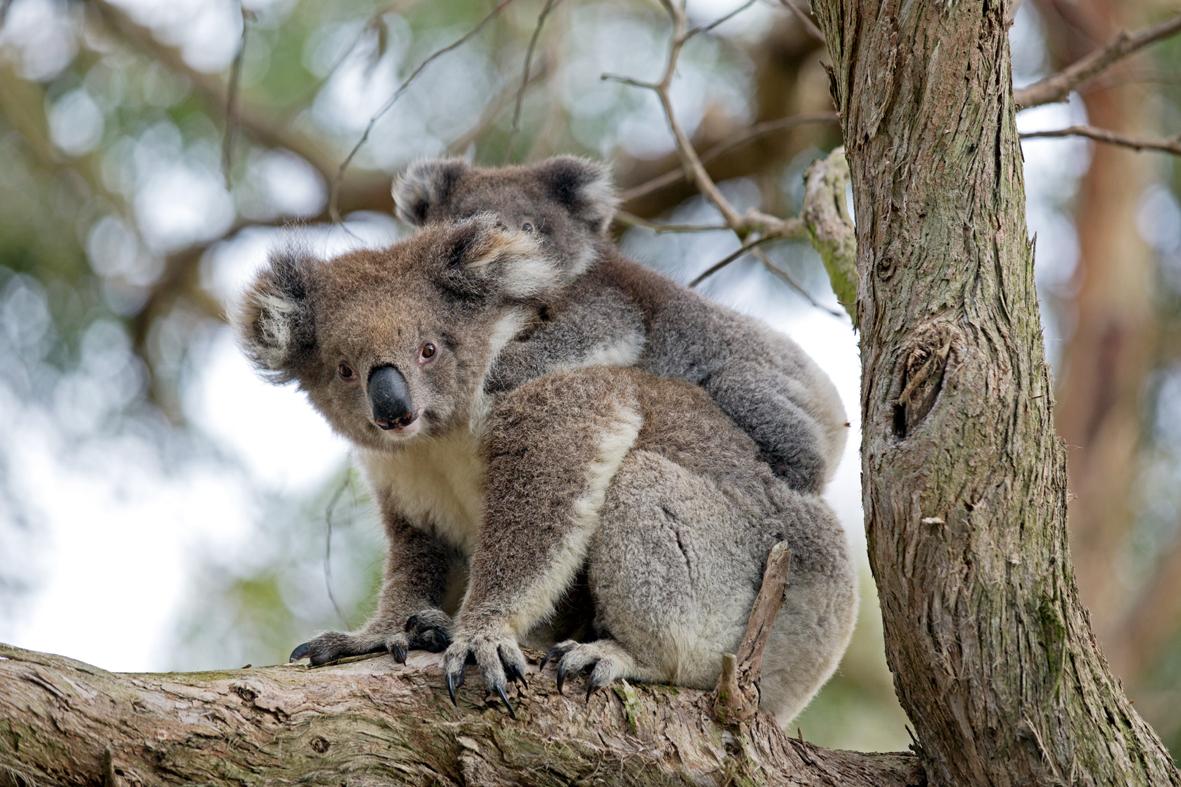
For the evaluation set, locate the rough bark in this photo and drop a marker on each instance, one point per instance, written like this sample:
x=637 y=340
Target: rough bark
x=964 y=477
x=373 y=722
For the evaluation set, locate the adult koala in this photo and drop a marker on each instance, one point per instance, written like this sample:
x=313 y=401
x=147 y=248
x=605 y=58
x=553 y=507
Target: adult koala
x=639 y=484
x=617 y=312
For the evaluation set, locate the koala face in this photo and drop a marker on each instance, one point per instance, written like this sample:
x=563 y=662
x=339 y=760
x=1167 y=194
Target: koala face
x=565 y=202
x=392 y=345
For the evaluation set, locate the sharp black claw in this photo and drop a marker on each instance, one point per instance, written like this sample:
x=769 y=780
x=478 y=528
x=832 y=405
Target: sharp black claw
x=299 y=652
x=399 y=652
x=591 y=688
x=561 y=677
x=454 y=681
x=504 y=698
x=513 y=673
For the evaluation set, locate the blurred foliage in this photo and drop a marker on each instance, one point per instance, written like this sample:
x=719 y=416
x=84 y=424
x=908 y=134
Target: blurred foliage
x=120 y=244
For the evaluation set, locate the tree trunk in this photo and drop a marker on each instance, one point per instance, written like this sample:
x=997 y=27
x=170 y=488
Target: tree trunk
x=964 y=478
x=373 y=722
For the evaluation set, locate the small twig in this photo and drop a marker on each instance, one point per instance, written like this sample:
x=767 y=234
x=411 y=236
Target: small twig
x=737 y=254
x=232 y=88
x=721 y=20
x=756 y=131
x=632 y=220
x=545 y=10
x=328 y=512
x=786 y=277
x=805 y=20
x=737 y=695
x=1138 y=144
x=1057 y=87
x=492 y=111
x=333 y=208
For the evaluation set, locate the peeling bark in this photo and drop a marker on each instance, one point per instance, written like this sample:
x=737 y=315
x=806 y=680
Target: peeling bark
x=373 y=722
x=964 y=478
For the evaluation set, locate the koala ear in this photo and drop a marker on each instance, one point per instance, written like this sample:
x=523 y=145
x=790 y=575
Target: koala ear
x=274 y=320
x=486 y=257
x=583 y=187
x=426 y=186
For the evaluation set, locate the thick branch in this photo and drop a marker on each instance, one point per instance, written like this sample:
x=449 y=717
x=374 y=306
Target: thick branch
x=1057 y=87
x=826 y=215
x=372 y=722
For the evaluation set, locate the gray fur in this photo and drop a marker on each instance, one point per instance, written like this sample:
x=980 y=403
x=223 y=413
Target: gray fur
x=636 y=485
x=763 y=380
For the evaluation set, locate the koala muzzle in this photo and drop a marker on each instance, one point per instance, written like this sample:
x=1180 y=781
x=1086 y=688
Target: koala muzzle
x=389 y=398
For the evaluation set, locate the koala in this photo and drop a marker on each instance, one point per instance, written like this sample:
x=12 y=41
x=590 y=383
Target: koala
x=635 y=487
x=616 y=312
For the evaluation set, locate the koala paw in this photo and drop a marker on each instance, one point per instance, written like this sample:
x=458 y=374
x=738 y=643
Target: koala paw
x=495 y=652
x=605 y=659
x=428 y=630
x=336 y=645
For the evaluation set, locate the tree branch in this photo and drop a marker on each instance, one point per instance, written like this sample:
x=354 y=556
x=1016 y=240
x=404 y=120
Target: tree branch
x=334 y=191
x=1171 y=146
x=372 y=721
x=826 y=216
x=1057 y=87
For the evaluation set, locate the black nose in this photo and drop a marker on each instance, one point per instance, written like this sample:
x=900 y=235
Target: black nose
x=389 y=398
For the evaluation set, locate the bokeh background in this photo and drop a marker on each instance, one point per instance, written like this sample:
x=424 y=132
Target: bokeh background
x=162 y=508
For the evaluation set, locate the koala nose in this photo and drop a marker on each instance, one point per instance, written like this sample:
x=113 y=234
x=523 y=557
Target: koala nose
x=389 y=398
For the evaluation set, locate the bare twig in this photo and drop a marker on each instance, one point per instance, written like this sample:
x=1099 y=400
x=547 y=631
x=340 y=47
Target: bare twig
x=235 y=84
x=1139 y=144
x=545 y=10
x=632 y=220
x=805 y=20
x=737 y=695
x=333 y=208
x=492 y=111
x=345 y=483
x=1057 y=87
x=756 y=131
x=737 y=254
x=786 y=277
x=721 y=20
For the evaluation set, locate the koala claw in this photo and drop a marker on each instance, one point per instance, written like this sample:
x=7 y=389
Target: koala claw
x=454 y=681
x=300 y=652
x=604 y=659
x=497 y=656
x=504 y=698
x=399 y=651
x=335 y=645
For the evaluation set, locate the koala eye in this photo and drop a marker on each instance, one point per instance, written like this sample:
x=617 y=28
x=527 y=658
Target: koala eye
x=345 y=371
x=426 y=352
x=527 y=227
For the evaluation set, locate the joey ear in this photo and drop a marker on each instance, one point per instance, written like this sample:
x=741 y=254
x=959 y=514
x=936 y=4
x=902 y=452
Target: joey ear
x=583 y=187
x=274 y=320
x=426 y=186
x=484 y=256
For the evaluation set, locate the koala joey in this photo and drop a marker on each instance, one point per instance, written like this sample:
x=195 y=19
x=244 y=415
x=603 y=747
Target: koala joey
x=636 y=486
x=617 y=312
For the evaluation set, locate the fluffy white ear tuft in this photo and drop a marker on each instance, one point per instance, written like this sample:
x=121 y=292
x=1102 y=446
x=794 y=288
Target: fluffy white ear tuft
x=583 y=186
x=510 y=261
x=273 y=322
x=426 y=186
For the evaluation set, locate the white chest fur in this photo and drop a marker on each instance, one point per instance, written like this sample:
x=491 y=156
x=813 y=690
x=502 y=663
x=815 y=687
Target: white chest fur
x=436 y=483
